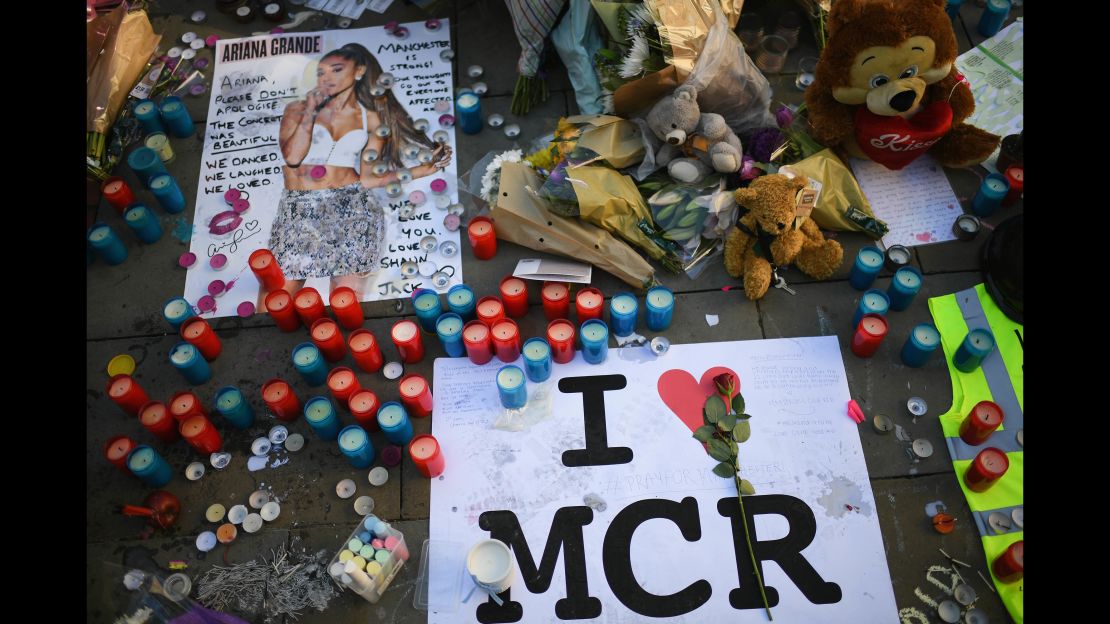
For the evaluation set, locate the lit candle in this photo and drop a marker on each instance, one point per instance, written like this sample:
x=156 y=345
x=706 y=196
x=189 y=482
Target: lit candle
x=514 y=294
x=977 y=345
x=126 y=393
x=343 y=383
x=587 y=303
x=622 y=313
x=966 y=227
x=146 y=111
x=991 y=191
x=869 y=261
x=869 y=335
x=309 y=363
x=556 y=300
x=594 y=335
x=144 y=224
x=146 y=464
x=511 y=387
x=188 y=361
x=425 y=453
x=560 y=335
x=234 y=407
x=146 y=164
x=176 y=117
x=410 y=344
x=167 y=191
x=986 y=469
x=116 y=450
x=483 y=237
x=320 y=414
x=160 y=143
x=201 y=434
x=197 y=332
x=476 y=339
x=347 y=310
x=490 y=562
x=537 y=359
x=460 y=300
x=279 y=304
x=506 y=340
x=1015 y=175
x=265 y=267
x=364 y=407
x=896 y=257
x=365 y=350
x=660 y=308
x=468 y=113
x=490 y=310
x=873 y=301
x=994 y=15
x=416 y=395
x=921 y=344
x=105 y=241
x=1009 y=567
x=184 y=404
x=395 y=423
x=309 y=305
x=903 y=287
x=449 y=328
x=118 y=193
x=328 y=339
x=355 y=444
x=157 y=420
x=281 y=400
x=428 y=308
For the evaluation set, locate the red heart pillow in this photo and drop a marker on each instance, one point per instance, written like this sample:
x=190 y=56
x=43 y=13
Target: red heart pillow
x=895 y=142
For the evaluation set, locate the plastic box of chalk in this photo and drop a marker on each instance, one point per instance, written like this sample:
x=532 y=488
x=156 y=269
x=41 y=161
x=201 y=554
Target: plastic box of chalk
x=369 y=559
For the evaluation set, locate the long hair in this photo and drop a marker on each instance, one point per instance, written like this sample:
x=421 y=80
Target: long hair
x=389 y=110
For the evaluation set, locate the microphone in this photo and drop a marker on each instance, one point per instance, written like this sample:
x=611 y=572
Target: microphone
x=321 y=105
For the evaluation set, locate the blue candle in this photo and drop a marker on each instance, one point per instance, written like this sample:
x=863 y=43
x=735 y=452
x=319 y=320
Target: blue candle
x=355 y=444
x=952 y=8
x=307 y=361
x=990 y=195
x=146 y=464
x=873 y=301
x=167 y=191
x=537 y=359
x=903 y=288
x=320 y=414
x=594 y=335
x=177 y=311
x=428 y=308
x=146 y=164
x=460 y=300
x=869 y=261
x=660 y=308
x=468 y=113
x=622 y=313
x=147 y=114
x=233 y=406
x=920 y=346
x=105 y=241
x=187 y=359
x=144 y=224
x=176 y=117
x=511 y=387
x=449 y=329
x=395 y=424
x=994 y=14
x=976 y=345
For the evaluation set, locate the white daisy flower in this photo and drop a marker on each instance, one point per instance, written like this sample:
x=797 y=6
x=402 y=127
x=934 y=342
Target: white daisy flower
x=491 y=179
x=633 y=64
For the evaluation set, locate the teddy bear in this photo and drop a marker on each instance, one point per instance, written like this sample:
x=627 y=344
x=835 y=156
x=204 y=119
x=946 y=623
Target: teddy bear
x=694 y=143
x=887 y=89
x=767 y=235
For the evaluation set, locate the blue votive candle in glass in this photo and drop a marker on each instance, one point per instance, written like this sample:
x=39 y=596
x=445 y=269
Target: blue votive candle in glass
x=991 y=193
x=594 y=335
x=873 y=301
x=146 y=164
x=144 y=224
x=977 y=345
x=920 y=346
x=310 y=364
x=394 y=421
x=107 y=243
x=622 y=313
x=187 y=359
x=449 y=329
x=146 y=464
x=468 y=113
x=167 y=191
x=903 y=288
x=537 y=359
x=869 y=261
x=176 y=117
x=177 y=311
x=660 y=308
x=428 y=308
x=511 y=387
x=320 y=414
x=460 y=300
x=234 y=407
x=994 y=15
x=146 y=111
x=355 y=444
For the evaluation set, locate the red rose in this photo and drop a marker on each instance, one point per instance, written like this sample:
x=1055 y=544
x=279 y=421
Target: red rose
x=726 y=384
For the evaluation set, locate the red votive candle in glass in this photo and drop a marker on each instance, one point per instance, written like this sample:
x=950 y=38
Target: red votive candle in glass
x=345 y=306
x=280 y=306
x=869 y=335
x=279 y=397
x=514 y=294
x=343 y=383
x=981 y=422
x=479 y=348
x=309 y=305
x=116 y=450
x=560 y=335
x=416 y=395
x=490 y=310
x=506 y=340
x=157 y=420
x=126 y=393
x=328 y=339
x=364 y=406
x=986 y=469
x=197 y=332
x=1009 y=567
x=118 y=194
x=426 y=454
x=556 y=300
x=1015 y=175
x=185 y=404
x=266 y=269
x=365 y=350
x=409 y=343
x=201 y=434
x=483 y=237
x=588 y=304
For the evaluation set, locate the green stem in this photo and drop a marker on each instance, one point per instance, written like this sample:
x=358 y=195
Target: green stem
x=748 y=538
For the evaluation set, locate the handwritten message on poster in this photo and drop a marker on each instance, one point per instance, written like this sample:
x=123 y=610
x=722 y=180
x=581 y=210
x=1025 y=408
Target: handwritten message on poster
x=917 y=201
x=341 y=217
x=995 y=69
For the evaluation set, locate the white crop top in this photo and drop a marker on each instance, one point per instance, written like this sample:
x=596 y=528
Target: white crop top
x=344 y=152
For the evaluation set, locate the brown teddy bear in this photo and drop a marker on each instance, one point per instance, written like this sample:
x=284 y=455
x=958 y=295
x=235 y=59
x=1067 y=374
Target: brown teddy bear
x=767 y=235
x=887 y=88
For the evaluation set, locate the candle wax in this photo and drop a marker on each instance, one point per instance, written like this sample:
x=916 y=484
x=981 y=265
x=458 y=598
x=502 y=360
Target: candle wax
x=160 y=182
x=413 y=387
x=182 y=354
x=113 y=187
x=352 y=439
x=261 y=261
x=390 y=416
x=909 y=279
x=120 y=449
x=510 y=377
x=468 y=100
x=926 y=335
x=144 y=108
x=968 y=225
x=660 y=298
x=988 y=415
x=901 y=255
x=275 y=391
x=426 y=301
x=488 y=563
x=229 y=399
x=476 y=333
x=999 y=5
x=193 y=426
x=555 y=292
x=362 y=342
x=404 y=331
x=594 y=333
x=306 y=299
x=589 y=299
x=536 y=350
x=996 y=185
x=341 y=380
x=480 y=228
x=873 y=326
x=873 y=301
x=512 y=286
x=99 y=234
x=170 y=107
x=324 y=331
x=342 y=300
x=1016 y=173
x=185 y=403
x=424 y=448
x=136 y=213
x=460 y=297
x=120 y=387
x=306 y=355
x=870 y=257
x=318 y=411
x=561 y=332
x=153 y=414
x=279 y=302
x=361 y=402
x=449 y=326
x=140 y=459
x=193 y=329
x=624 y=304
x=489 y=308
x=994 y=462
x=504 y=331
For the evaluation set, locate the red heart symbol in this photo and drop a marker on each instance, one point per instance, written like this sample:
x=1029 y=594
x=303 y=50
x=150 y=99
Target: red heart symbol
x=686 y=397
x=925 y=237
x=895 y=142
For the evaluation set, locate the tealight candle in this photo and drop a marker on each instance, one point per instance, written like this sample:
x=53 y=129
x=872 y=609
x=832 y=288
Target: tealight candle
x=869 y=335
x=966 y=227
x=994 y=15
x=1015 y=175
x=105 y=241
x=355 y=444
x=410 y=344
x=476 y=339
x=490 y=562
x=197 y=332
x=146 y=464
x=622 y=313
x=118 y=193
x=146 y=111
x=201 y=434
x=990 y=194
x=146 y=164
x=869 y=261
x=428 y=308
x=347 y=310
x=234 y=407
x=365 y=350
x=468 y=113
x=490 y=310
x=873 y=301
x=460 y=300
x=537 y=359
x=449 y=328
x=986 y=469
x=896 y=257
x=981 y=422
x=328 y=339
x=160 y=143
x=556 y=300
x=184 y=404
x=977 y=345
x=176 y=117
x=1009 y=567
x=116 y=451
x=279 y=304
x=594 y=335
x=320 y=414
x=514 y=295
x=506 y=340
x=188 y=361
x=587 y=303
x=483 y=237
x=395 y=423
x=426 y=454
x=560 y=335
x=265 y=267
x=281 y=400
x=364 y=407
x=903 y=288
x=511 y=387
x=157 y=420
x=921 y=344
x=343 y=383
x=126 y=393
x=309 y=305
x=416 y=395
x=310 y=364
x=660 y=308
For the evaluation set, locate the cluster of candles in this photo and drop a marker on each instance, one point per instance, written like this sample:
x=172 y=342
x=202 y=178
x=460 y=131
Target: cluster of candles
x=991 y=463
x=368 y=560
x=869 y=321
x=104 y=240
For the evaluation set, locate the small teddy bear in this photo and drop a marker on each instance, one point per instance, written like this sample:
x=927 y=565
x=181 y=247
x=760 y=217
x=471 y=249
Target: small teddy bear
x=766 y=235
x=704 y=138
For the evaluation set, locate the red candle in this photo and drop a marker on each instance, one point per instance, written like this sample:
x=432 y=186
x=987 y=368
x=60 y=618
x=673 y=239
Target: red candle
x=280 y=306
x=1009 y=567
x=483 y=238
x=201 y=434
x=343 y=383
x=365 y=350
x=986 y=469
x=197 y=332
x=127 y=393
x=506 y=340
x=514 y=294
x=185 y=404
x=869 y=335
x=116 y=451
x=158 y=421
x=280 y=399
x=981 y=422
x=476 y=340
x=490 y=310
x=347 y=310
x=409 y=343
x=328 y=339
x=117 y=193
x=309 y=305
x=560 y=335
x=1015 y=175
x=426 y=454
x=588 y=304
x=364 y=406
x=266 y=269
x=556 y=300
x=416 y=396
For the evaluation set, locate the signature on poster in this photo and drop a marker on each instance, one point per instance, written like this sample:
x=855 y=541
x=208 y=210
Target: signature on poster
x=238 y=236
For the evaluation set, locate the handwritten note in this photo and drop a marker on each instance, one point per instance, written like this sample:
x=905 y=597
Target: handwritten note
x=343 y=8
x=995 y=70
x=916 y=202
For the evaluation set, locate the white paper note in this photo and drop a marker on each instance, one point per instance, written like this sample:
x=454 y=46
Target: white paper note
x=553 y=270
x=995 y=70
x=916 y=202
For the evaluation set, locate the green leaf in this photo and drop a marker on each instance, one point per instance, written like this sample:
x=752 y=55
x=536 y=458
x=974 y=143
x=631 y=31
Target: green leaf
x=727 y=422
x=738 y=403
x=746 y=488
x=742 y=431
x=724 y=469
x=714 y=409
x=743 y=416
x=719 y=451
x=704 y=433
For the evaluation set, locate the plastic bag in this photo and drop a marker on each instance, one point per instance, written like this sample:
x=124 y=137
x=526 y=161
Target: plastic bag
x=536 y=410
x=692 y=218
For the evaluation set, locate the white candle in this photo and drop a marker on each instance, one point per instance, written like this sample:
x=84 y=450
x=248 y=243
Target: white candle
x=510 y=378
x=342 y=300
x=306 y=355
x=460 y=297
x=261 y=261
x=426 y=301
x=536 y=350
x=140 y=459
x=996 y=185
x=873 y=326
x=490 y=308
x=120 y=387
x=342 y=379
x=390 y=416
x=476 y=333
x=99 y=234
x=404 y=331
x=183 y=354
x=555 y=292
x=927 y=336
x=660 y=298
x=318 y=411
x=306 y=299
x=504 y=330
x=194 y=329
x=449 y=326
x=468 y=100
x=480 y=228
x=589 y=299
x=352 y=439
x=413 y=387
x=324 y=331
x=909 y=279
x=490 y=562
x=113 y=187
x=423 y=448
x=561 y=331
x=512 y=286
x=594 y=332
x=624 y=304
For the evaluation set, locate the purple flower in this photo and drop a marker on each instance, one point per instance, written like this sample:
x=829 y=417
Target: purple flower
x=748 y=170
x=784 y=117
x=763 y=142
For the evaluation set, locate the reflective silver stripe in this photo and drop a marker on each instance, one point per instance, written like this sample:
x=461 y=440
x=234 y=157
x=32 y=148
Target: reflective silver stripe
x=985 y=527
